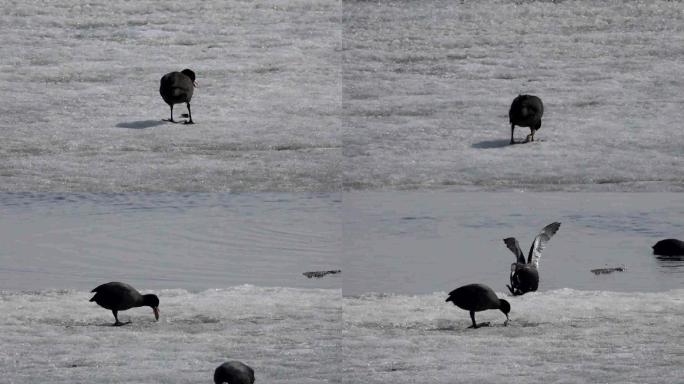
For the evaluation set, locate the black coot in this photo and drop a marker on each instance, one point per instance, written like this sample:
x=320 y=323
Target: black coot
x=476 y=298
x=526 y=111
x=177 y=88
x=117 y=296
x=233 y=372
x=669 y=247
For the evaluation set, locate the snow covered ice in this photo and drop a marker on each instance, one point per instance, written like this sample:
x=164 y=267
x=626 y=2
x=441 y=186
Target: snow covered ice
x=563 y=336
x=227 y=269
x=288 y=335
x=404 y=251
x=427 y=86
x=81 y=109
x=417 y=94
x=404 y=105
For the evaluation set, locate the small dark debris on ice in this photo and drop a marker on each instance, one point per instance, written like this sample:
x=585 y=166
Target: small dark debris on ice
x=319 y=274
x=605 y=271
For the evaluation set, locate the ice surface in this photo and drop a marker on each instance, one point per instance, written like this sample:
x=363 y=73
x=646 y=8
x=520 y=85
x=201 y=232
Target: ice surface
x=423 y=88
x=427 y=86
x=422 y=242
x=81 y=109
x=249 y=249
x=287 y=335
x=562 y=336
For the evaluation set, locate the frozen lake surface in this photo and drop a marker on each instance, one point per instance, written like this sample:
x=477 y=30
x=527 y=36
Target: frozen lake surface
x=287 y=335
x=562 y=336
x=81 y=108
x=404 y=251
x=415 y=94
x=427 y=86
x=227 y=269
x=241 y=295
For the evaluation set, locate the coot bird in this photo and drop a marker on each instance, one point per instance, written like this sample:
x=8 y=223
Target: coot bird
x=117 y=296
x=233 y=372
x=525 y=275
x=669 y=247
x=177 y=88
x=476 y=298
x=526 y=111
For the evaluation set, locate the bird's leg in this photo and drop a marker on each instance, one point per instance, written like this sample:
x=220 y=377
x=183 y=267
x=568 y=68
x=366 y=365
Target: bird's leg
x=512 y=130
x=472 y=317
x=510 y=289
x=171 y=119
x=475 y=325
x=117 y=323
x=189 y=115
x=534 y=130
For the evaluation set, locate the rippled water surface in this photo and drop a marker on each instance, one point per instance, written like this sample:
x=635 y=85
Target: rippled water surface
x=423 y=242
x=170 y=240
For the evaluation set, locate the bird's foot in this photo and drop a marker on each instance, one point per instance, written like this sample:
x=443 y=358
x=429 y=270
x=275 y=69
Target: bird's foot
x=118 y=323
x=486 y=324
x=189 y=122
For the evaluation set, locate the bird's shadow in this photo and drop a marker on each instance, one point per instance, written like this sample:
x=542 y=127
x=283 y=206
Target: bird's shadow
x=488 y=144
x=140 y=124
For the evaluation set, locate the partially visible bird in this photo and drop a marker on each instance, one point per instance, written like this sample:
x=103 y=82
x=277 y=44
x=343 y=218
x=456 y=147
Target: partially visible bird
x=476 y=298
x=669 y=247
x=177 y=88
x=526 y=111
x=525 y=275
x=233 y=372
x=117 y=296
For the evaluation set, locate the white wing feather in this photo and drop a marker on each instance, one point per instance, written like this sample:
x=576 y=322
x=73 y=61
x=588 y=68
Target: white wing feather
x=540 y=242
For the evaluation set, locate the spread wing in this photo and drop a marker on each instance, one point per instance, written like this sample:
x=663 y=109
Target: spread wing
x=540 y=242
x=513 y=245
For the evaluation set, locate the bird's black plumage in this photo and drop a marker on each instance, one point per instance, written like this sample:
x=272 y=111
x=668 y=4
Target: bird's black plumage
x=669 y=247
x=233 y=372
x=117 y=296
x=476 y=298
x=526 y=111
x=177 y=88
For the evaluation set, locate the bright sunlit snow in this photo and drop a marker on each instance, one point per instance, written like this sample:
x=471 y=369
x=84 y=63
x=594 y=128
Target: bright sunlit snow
x=81 y=109
x=286 y=335
x=227 y=269
x=404 y=251
x=561 y=336
x=427 y=86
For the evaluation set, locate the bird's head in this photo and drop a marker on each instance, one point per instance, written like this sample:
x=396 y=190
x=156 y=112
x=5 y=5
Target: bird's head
x=152 y=301
x=189 y=73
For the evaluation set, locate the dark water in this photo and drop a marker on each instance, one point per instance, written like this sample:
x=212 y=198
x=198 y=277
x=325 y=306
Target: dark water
x=415 y=242
x=168 y=240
